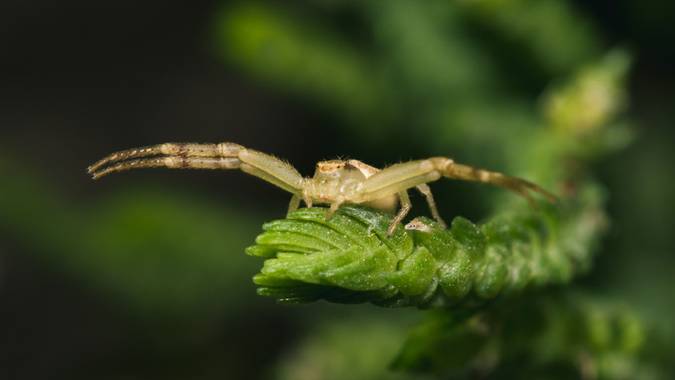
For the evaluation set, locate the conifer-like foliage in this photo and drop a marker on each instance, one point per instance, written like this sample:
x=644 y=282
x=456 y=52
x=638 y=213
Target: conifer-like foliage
x=350 y=258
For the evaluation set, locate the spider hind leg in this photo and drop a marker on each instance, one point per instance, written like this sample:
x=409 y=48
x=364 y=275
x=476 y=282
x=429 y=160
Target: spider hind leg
x=428 y=195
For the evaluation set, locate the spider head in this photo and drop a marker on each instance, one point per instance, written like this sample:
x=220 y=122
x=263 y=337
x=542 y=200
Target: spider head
x=332 y=168
x=336 y=171
x=335 y=179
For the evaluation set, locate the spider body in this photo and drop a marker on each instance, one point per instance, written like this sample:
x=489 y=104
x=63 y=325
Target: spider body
x=335 y=182
x=340 y=181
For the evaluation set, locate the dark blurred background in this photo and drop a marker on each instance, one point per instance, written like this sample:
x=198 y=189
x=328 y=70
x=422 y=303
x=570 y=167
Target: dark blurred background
x=143 y=275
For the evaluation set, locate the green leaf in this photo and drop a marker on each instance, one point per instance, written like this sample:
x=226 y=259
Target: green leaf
x=308 y=257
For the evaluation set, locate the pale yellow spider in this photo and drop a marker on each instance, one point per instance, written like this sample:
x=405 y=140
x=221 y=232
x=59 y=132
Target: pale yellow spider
x=335 y=182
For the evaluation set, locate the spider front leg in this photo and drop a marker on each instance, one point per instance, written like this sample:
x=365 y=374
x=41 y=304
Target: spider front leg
x=400 y=177
x=170 y=155
x=519 y=186
x=131 y=158
x=402 y=212
x=203 y=156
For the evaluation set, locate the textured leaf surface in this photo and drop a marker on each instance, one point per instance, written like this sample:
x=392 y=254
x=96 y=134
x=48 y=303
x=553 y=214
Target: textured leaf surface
x=350 y=258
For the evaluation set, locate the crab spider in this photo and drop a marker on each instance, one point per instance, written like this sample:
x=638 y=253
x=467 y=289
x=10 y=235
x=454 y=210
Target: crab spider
x=335 y=182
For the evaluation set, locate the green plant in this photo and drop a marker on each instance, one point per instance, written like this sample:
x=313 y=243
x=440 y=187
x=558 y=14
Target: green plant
x=350 y=257
x=488 y=282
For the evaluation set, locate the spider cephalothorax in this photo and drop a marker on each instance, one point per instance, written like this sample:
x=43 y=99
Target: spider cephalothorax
x=335 y=182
